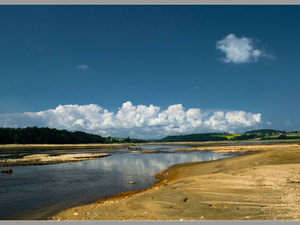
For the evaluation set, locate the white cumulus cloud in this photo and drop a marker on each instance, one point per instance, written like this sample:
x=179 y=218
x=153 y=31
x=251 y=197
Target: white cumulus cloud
x=138 y=121
x=239 y=50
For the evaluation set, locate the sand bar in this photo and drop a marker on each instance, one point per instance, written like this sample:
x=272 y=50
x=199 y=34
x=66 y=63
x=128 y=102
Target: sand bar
x=260 y=186
x=239 y=148
x=43 y=159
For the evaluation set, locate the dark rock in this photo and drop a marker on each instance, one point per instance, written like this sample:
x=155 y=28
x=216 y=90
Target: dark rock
x=6 y=171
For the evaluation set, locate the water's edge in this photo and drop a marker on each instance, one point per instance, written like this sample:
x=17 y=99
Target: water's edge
x=160 y=180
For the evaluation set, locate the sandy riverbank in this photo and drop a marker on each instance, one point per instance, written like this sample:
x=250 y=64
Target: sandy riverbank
x=260 y=186
x=44 y=159
x=239 y=148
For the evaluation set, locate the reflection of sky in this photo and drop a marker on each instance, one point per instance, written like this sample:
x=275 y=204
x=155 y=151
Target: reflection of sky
x=139 y=164
x=54 y=187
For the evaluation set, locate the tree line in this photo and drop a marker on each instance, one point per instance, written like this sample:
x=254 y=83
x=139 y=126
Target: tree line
x=261 y=134
x=45 y=135
x=194 y=137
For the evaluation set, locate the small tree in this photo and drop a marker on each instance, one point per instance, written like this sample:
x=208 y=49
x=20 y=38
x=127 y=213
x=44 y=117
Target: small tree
x=283 y=136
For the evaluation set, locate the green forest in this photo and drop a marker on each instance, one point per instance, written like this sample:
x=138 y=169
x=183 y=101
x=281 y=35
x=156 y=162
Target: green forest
x=35 y=135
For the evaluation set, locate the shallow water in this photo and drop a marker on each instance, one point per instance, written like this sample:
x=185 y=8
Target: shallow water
x=37 y=192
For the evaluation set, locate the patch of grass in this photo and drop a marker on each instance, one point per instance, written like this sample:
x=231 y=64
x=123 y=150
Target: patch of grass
x=228 y=136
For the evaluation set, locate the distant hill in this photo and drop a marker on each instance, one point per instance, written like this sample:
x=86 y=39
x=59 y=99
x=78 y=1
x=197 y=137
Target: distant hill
x=265 y=131
x=261 y=134
x=35 y=135
x=195 y=137
x=268 y=134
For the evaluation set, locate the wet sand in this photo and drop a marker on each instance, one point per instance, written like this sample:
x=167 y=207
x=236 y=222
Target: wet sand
x=264 y=185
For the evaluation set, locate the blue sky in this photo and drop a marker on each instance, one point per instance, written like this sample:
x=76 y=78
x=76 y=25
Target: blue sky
x=211 y=58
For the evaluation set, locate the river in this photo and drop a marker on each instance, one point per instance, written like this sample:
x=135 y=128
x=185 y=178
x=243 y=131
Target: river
x=37 y=192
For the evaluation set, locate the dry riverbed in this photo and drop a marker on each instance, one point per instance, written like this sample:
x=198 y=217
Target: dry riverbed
x=260 y=186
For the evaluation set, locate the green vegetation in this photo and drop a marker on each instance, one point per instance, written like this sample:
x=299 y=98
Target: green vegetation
x=35 y=135
x=196 y=137
x=265 y=132
x=228 y=136
x=258 y=135
x=282 y=137
x=268 y=134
